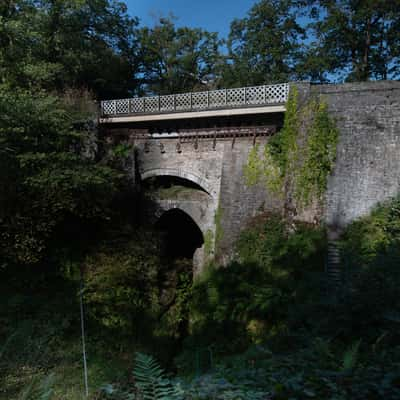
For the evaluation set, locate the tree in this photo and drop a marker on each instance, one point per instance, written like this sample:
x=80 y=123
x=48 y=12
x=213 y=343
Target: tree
x=58 y=44
x=44 y=179
x=265 y=45
x=356 y=40
x=178 y=59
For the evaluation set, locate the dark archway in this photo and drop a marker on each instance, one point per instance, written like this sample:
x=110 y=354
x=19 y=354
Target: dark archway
x=182 y=236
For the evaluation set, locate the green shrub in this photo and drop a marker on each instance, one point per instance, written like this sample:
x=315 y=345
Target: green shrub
x=121 y=284
x=371 y=254
x=251 y=298
x=150 y=383
x=312 y=372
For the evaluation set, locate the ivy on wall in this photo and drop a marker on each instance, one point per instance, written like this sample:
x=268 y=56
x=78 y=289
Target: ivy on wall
x=208 y=243
x=301 y=156
x=219 y=233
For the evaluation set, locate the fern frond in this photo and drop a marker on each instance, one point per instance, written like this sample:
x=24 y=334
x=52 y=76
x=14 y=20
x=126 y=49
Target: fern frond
x=150 y=380
x=350 y=356
x=39 y=389
x=4 y=347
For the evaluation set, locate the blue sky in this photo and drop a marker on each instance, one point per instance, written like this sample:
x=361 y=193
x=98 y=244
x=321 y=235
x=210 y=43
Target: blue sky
x=212 y=15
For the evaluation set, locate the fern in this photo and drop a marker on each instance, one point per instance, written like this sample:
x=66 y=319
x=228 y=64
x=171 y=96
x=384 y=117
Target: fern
x=4 y=347
x=350 y=356
x=39 y=389
x=150 y=380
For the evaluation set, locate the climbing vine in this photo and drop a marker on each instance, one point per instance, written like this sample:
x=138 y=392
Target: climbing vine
x=300 y=156
x=219 y=233
x=320 y=154
x=208 y=242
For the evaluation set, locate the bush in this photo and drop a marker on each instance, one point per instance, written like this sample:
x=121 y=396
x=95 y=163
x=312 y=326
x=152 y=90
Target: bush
x=251 y=299
x=371 y=255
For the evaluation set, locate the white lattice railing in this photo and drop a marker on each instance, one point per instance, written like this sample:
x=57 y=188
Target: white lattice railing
x=195 y=101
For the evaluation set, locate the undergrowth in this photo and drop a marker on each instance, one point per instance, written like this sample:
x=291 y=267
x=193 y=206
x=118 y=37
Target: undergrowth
x=262 y=328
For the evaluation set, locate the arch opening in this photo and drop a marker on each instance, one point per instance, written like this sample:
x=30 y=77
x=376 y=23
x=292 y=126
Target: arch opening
x=182 y=236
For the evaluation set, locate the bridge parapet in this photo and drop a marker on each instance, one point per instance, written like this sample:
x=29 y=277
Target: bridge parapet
x=197 y=101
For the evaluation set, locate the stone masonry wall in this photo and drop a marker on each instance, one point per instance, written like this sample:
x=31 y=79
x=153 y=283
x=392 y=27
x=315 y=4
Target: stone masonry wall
x=239 y=203
x=367 y=169
x=219 y=170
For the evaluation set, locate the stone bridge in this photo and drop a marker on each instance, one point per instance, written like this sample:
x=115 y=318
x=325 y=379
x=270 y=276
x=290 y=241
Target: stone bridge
x=191 y=148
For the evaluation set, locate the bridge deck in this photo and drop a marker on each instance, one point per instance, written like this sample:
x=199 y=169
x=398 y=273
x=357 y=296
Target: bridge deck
x=223 y=102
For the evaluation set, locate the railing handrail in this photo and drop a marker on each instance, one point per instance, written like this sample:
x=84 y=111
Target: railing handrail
x=197 y=101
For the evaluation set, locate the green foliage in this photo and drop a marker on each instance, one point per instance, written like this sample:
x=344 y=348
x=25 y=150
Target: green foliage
x=122 y=151
x=134 y=295
x=208 y=242
x=284 y=147
x=262 y=168
x=253 y=168
x=351 y=355
x=370 y=237
x=61 y=211
x=150 y=383
x=319 y=41
x=354 y=40
x=178 y=59
x=150 y=380
x=56 y=45
x=39 y=389
x=219 y=233
x=122 y=284
x=43 y=163
x=270 y=244
x=264 y=281
x=297 y=157
x=264 y=45
x=306 y=373
x=370 y=250
x=319 y=154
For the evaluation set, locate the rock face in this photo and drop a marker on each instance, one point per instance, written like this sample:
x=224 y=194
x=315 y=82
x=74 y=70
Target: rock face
x=367 y=169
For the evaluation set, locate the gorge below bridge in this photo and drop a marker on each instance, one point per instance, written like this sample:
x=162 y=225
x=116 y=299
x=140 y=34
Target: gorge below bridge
x=190 y=150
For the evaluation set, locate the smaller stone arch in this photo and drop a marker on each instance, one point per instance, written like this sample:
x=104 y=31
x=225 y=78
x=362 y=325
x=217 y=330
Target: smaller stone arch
x=203 y=183
x=183 y=235
x=190 y=208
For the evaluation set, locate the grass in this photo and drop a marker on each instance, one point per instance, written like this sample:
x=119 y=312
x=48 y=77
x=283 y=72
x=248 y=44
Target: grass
x=66 y=365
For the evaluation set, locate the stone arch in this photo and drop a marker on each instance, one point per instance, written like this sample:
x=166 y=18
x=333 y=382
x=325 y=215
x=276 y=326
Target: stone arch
x=186 y=207
x=183 y=233
x=180 y=174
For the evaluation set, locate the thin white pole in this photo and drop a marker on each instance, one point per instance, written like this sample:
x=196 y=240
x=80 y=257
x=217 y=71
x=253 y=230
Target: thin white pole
x=85 y=373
